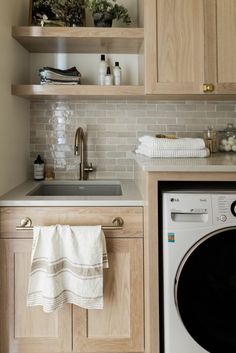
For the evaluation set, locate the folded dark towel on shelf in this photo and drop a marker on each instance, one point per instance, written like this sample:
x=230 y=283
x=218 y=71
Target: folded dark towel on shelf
x=72 y=71
x=50 y=75
x=53 y=76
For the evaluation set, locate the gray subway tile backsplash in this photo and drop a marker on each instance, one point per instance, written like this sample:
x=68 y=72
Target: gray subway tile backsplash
x=113 y=128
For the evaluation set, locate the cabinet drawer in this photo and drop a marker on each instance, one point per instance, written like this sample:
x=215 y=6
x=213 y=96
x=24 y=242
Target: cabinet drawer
x=10 y=217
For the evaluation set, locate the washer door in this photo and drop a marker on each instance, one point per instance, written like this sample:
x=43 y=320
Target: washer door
x=205 y=291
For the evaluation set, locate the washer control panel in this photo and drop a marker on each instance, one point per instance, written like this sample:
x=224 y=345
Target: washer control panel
x=201 y=209
x=224 y=208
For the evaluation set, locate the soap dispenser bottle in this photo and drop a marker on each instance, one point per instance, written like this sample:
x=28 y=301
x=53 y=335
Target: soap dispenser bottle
x=102 y=70
x=117 y=74
x=38 y=168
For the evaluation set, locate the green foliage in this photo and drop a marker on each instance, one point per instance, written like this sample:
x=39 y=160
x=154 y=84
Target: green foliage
x=69 y=12
x=117 y=11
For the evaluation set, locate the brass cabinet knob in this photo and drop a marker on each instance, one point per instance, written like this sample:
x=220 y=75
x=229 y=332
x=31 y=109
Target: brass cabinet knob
x=208 y=87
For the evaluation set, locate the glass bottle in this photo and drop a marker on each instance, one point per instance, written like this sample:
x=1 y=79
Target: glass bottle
x=210 y=138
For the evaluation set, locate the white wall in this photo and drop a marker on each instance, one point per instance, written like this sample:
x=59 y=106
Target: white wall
x=14 y=112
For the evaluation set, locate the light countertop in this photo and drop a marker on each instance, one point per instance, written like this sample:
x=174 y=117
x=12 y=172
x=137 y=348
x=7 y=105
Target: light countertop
x=217 y=162
x=18 y=197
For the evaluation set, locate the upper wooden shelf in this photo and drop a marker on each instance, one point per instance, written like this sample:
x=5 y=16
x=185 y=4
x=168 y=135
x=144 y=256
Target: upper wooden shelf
x=79 y=39
x=39 y=91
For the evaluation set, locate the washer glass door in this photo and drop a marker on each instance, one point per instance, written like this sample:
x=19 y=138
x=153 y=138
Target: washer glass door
x=205 y=291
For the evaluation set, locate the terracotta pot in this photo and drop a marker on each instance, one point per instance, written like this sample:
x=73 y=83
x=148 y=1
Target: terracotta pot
x=102 y=19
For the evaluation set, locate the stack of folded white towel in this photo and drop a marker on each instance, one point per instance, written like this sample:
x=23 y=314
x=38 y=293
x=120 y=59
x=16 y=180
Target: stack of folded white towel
x=172 y=148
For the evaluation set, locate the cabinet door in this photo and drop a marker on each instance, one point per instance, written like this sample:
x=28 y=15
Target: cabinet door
x=174 y=46
x=225 y=46
x=24 y=329
x=119 y=326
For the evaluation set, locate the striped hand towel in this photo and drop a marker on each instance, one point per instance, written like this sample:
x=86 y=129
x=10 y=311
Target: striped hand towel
x=172 y=144
x=67 y=267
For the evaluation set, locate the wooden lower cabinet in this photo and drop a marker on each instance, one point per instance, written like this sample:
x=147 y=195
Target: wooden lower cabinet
x=116 y=328
x=24 y=329
x=119 y=326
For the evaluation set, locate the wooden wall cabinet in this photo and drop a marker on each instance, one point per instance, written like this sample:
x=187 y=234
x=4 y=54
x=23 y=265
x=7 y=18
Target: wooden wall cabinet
x=117 y=328
x=222 y=15
x=189 y=43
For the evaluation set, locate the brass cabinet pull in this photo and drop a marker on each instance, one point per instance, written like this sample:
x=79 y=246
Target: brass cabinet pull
x=117 y=224
x=208 y=87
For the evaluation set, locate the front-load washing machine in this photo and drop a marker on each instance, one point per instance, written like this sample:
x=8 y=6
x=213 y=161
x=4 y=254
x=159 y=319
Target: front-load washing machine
x=198 y=251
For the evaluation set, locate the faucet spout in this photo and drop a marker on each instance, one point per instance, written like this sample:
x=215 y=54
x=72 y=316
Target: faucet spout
x=79 y=151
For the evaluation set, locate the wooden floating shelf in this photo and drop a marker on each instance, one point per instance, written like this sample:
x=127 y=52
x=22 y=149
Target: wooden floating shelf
x=34 y=91
x=79 y=39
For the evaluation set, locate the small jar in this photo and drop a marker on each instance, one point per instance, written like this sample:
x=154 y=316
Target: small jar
x=227 y=139
x=210 y=138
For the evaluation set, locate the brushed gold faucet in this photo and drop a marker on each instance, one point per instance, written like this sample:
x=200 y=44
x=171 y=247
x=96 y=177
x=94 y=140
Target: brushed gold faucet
x=84 y=168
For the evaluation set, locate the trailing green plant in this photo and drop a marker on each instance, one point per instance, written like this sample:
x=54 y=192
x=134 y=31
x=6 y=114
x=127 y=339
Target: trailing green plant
x=67 y=12
x=118 y=12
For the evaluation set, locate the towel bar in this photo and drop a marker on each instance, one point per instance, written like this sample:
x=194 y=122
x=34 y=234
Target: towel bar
x=27 y=224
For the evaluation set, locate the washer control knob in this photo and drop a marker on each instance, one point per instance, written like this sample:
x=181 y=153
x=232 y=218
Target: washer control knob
x=223 y=218
x=233 y=208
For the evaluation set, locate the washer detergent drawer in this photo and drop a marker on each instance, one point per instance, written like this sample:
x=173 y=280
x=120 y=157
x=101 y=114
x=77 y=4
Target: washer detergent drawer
x=187 y=210
x=189 y=217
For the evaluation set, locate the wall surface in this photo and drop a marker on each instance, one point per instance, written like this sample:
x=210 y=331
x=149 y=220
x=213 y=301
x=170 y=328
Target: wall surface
x=113 y=128
x=14 y=116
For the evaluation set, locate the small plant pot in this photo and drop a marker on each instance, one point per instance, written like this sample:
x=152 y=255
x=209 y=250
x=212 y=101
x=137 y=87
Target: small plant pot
x=102 y=19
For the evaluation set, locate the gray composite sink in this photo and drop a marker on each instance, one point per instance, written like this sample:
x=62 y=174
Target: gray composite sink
x=78 y=188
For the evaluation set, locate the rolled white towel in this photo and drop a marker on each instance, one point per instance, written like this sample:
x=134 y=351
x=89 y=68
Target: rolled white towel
x=197 y=153
x=169 y=144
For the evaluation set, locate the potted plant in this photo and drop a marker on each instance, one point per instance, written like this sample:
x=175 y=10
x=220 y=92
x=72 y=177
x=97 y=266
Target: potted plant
x=71 y=12
x=105 y=11
x=58 y=12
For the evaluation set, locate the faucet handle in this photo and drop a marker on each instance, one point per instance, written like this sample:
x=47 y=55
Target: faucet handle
x=89 y=168
x=76 y=150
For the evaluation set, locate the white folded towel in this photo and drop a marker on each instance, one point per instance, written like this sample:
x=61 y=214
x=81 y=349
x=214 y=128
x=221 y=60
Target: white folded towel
x=67 y=267
x=152 y=153
x=169 y=144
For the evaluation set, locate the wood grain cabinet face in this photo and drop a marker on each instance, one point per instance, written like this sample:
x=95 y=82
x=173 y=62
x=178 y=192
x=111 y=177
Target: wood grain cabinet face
x=174 y=46
x=189 y=43
x=225 y=46
x=24 y=329
x=119 y=326
x=116 y=328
